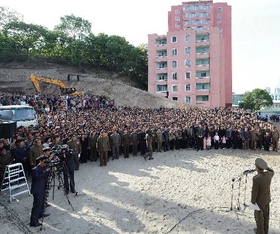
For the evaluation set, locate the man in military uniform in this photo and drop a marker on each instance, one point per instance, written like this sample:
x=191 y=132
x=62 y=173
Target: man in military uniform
x=135 y=142
x=39 y=176
x=126 y=140
x=35 y=151
x=148 y=137
x=261 y=195
x=159 y=139
x=253 y=137
x=103 y=146
x=275 y=139
x=115 y=141
x=75 y=145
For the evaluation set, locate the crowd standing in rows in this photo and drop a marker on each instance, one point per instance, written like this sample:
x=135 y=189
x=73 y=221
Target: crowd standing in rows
x=94 y=128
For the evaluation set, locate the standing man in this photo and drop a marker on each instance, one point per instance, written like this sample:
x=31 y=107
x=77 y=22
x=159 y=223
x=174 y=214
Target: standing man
x=126 y=140
x=75 y=145
x=148 y=137
x=115 y=141
x=261 y=195
x=39 y=176
x=275 y=139
x=68 y=170
x=34 y=152
x=103 y=146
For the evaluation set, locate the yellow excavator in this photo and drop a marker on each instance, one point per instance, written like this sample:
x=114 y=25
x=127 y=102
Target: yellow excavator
x=64 y=90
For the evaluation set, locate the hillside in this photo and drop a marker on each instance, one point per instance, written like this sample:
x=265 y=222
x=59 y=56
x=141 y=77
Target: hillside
x=14 y=78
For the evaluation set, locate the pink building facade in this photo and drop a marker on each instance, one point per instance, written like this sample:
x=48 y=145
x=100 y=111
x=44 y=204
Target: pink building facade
x=192 y=63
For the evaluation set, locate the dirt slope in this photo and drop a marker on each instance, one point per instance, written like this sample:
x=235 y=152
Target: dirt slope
x=15 y=78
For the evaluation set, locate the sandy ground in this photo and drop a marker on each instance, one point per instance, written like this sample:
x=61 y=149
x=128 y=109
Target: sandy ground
x=178 y=192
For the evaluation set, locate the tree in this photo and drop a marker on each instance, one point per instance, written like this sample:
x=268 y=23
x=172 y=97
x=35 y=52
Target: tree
x=74 y=27
x=255 y=100
x=8 y=15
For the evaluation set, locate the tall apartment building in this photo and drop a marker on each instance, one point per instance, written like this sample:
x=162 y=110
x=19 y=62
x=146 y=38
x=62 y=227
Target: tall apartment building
x=192 y=63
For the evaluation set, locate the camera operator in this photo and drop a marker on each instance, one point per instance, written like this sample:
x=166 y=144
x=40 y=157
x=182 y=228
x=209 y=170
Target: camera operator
x=68 y=169
x=39 y=176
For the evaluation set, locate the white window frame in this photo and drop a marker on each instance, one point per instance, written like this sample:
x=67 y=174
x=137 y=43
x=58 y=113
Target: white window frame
x=187 y=50
x=188 y=99
x=174 y=88
x=189 y=89
x=173 y=39
x=174 y=76
x=186 y=78
x=188 y=63
x=174 y=52
x=174 y=64
x=187 y=38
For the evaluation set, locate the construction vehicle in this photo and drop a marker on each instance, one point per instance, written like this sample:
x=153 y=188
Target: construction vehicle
x=64 y=90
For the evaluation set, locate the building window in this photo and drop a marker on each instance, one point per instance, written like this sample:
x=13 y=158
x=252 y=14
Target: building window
x=162 y=53
x=219 y=9
x=177 y=18
x=174 y=76
x=202 y=98
x=188 y=87
x=188 y=50
x=161 y=77
x=187 y=75
x=203 y=86
x=219 y=23
x=161 y=88
x=162 y=65
x=174 y=52
x=202 y=74
x=174 y=64
x=219 y=16
x=188 y=38
x=174 y=88
x=177 y=11
x=174 y=39
x=187 y=63
x=175 y=98
x=188 y=99
x=177 y=25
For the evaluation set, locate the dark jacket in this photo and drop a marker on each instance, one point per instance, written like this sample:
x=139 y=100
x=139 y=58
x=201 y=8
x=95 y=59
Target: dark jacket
x=39 y=179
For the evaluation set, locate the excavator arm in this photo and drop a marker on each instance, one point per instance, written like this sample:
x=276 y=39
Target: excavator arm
x=64 y=90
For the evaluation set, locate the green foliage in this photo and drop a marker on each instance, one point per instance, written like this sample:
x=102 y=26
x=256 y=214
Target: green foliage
x=71 y=42
x=256 y=100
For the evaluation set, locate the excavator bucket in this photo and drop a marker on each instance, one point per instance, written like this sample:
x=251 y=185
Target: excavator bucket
x=67 y=90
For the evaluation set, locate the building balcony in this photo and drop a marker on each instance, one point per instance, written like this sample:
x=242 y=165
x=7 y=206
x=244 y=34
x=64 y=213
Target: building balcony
x=202 y=55
x=202 y=79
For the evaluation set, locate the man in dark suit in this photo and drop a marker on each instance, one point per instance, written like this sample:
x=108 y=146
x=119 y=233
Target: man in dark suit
x=68 y=170
x=261 y=195
x=39 y=176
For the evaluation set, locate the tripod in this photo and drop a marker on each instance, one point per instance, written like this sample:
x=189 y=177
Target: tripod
x=58 y=173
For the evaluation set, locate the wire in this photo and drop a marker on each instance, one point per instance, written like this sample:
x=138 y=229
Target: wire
x=189 y=214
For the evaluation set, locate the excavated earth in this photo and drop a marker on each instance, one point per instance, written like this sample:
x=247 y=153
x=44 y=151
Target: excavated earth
x=15 y=78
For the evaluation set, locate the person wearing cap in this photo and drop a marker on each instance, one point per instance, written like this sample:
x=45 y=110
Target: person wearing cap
x=103 y=146
x=39 y=175
x=75 y=145
x=261 y=195
x=34 y=152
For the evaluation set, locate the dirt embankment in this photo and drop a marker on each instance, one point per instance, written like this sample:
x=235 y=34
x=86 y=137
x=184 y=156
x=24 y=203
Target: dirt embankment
x=15 y=78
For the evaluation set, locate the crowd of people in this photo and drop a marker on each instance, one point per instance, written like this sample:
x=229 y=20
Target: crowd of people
x=93 y=129
x=83 y=122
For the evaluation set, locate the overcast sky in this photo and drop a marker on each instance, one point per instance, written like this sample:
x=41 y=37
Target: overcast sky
x=255 y=32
